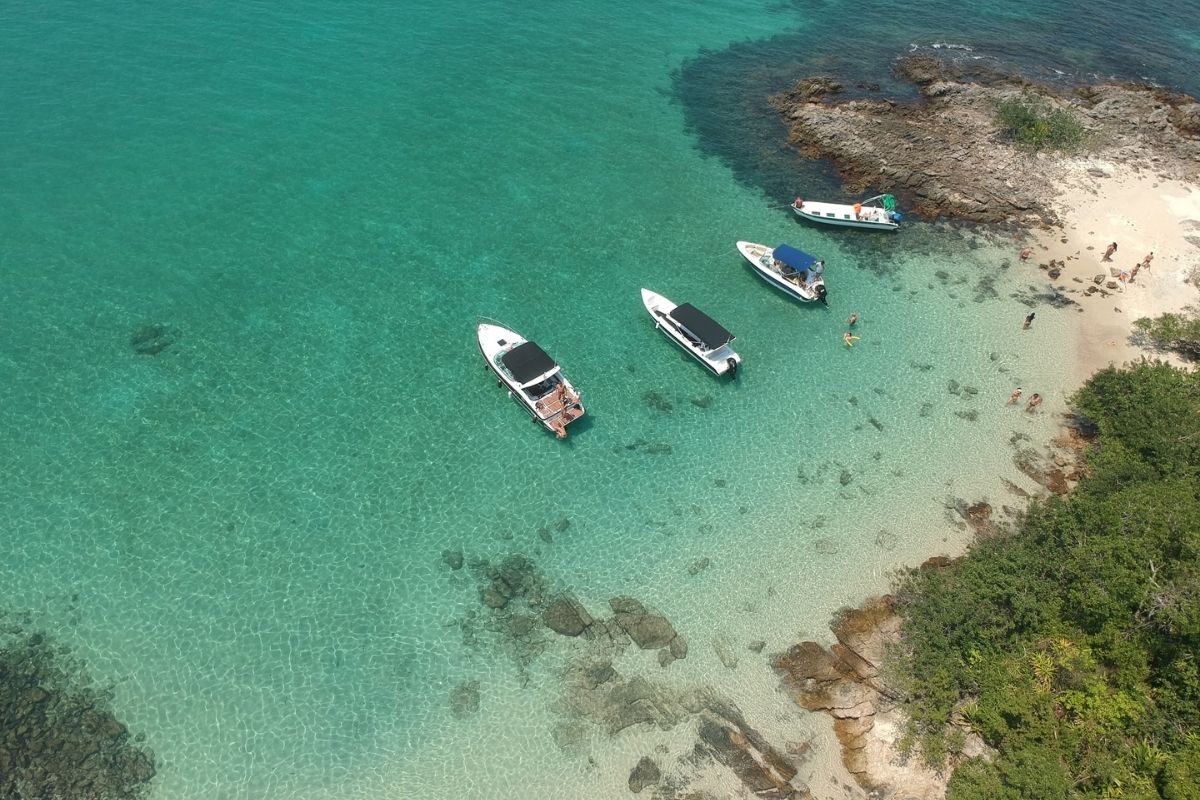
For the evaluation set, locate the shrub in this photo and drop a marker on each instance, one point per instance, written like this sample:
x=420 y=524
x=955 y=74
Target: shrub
x=1178 y=332
x=1032 y=122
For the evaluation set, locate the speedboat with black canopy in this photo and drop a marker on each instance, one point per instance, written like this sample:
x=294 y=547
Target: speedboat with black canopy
x=787 y=269
x=533 y=378
x=700 y=336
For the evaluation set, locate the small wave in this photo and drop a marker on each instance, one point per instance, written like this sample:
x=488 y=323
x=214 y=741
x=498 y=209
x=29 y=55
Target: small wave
x=951 y=46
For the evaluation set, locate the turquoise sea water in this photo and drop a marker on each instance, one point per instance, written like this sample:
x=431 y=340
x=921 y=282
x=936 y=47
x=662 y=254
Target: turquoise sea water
x=244 y=532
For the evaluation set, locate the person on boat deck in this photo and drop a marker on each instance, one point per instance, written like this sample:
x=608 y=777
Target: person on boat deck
x=818 y=269
x=858 y=210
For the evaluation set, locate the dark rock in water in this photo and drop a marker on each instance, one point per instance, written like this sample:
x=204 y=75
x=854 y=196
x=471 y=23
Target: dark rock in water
x=665 y=658
x=724 y=651
x=953 y=387
x=886 y=540
x=701 y=401
x=971 y=415
x=58 y=737
x=756 y=646
x=720 y=483
x=699 y=565
x=660 y=449
x=648 y=630
x=926 y=409
x=492 y=598
x=464 y=699
x=762 y=769
x=845 y=477
x=646 y=773
x=679 y=647
x=562 y=525
x=658 y=401
x=876 y=424
x=453 y=559
x=544 y=534
x=150 y=340
x=815 y=88
x=599 y=674
x=566 y=616
x=826 y=546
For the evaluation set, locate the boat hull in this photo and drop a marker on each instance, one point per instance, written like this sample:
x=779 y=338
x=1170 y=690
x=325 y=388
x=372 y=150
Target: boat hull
x=754 y=253
x=722 y=361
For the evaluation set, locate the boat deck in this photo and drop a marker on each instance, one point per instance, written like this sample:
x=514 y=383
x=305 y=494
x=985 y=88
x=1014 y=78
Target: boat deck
x=551 y=406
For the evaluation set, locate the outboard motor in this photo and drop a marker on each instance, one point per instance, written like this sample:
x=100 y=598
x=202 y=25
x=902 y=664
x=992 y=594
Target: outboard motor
x=821 y=293
x=733 y=365
x=896 y=217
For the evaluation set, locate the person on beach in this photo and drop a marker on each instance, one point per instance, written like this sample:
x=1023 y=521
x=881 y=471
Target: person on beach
x=1015 y=396
x=1123 y=277
x=849 y=338
x=1112 y=248
x=1026 y=253
x=1028 y=321
x=1133 y=272
x=1034 y=402
x=853 y=319
x=1146 y=261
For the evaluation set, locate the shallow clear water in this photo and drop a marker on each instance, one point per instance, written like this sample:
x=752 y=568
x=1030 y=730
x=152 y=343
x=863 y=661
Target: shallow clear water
x=244 y=532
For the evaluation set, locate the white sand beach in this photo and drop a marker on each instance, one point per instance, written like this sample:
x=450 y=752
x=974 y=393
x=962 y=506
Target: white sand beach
x=1143 y=213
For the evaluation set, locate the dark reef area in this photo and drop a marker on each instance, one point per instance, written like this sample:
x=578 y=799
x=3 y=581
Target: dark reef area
x=59 y=737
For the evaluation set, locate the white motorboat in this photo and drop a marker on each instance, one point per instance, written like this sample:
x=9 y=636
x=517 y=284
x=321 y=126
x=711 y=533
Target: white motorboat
x=533 y=378
x=698 y=334
x=876 y=213
x=788 y=269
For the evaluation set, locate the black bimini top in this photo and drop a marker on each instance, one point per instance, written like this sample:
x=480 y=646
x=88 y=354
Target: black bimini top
x=711 y=334
x=527 y=361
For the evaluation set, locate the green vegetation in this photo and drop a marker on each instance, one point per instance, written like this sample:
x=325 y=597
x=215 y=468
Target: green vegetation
x=1032 y=122
x=1178 y=332
x=1071 y=645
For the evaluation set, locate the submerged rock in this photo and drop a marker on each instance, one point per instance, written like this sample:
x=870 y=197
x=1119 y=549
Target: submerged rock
x=648 y=630
x=453 y=559
x=566 y=616
x=646 y=773
x=59 y=738
x=464 y=699
x=150 y=340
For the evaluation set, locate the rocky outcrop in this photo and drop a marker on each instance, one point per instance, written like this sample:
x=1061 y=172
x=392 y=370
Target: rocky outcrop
x=947 y=154
x=845 y=682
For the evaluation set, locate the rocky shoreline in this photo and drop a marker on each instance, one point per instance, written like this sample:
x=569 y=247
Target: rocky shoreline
x=945 y=155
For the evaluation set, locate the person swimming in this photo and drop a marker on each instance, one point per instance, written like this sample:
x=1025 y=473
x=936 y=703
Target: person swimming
x=849 y=338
